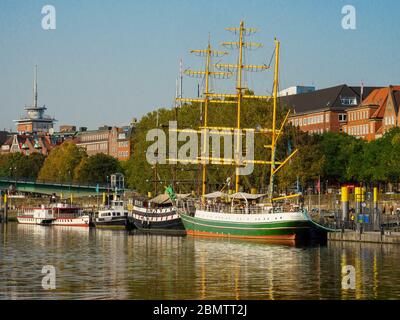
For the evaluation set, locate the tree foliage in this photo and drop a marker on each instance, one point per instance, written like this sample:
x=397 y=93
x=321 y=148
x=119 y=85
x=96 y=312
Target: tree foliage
x=17 y=165
x=97 y=168
x=62 y=163
x=141 y=175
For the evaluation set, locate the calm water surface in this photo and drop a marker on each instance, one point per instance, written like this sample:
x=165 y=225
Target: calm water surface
x=107 y=264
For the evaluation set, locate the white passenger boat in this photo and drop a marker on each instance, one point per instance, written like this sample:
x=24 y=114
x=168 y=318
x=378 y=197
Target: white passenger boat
x=58 y=214
x=42 y=215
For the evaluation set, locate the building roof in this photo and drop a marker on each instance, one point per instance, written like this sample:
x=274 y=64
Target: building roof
x=378 y=97
x=324 y=99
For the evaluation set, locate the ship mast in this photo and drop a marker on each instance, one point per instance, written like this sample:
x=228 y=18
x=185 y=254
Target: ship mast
x=240 y=68
x=207 y=73
x=226 y=71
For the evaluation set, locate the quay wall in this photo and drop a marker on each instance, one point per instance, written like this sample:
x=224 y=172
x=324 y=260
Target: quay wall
x=388 y=237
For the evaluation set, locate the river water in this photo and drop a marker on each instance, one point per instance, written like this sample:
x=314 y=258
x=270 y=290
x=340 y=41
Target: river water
x=109 y=264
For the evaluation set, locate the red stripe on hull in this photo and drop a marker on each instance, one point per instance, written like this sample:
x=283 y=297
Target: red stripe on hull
x=220 y=235
x=71 y=225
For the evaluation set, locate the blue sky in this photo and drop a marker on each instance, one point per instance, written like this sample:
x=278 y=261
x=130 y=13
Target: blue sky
x=109 y=61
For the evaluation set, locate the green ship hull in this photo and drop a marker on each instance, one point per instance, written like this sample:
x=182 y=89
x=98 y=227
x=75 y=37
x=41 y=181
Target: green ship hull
x=279 y=230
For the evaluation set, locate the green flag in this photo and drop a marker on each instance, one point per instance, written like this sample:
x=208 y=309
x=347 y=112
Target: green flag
x=171 y=194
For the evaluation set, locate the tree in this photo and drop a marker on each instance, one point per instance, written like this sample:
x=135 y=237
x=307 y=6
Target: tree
x=97 y=168
x=61 y=163
x=17 y=165
x=339 y=150
x=141 y=175
x=307 y=165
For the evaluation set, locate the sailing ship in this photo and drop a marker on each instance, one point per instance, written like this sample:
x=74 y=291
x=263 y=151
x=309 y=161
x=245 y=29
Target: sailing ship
x=158 y=213
x=243 y=215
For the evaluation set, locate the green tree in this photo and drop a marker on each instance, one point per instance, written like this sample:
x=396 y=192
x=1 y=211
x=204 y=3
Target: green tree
x=307 y=165
x=97 y=168
x=61 y=163
x=339 y=151
x=17 y=165
x=141 y=176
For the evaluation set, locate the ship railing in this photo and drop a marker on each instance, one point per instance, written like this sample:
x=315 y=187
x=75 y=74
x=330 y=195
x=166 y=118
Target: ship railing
x=234 y=210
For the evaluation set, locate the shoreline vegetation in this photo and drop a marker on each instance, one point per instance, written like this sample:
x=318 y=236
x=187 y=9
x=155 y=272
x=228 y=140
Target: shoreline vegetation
x=334 y=158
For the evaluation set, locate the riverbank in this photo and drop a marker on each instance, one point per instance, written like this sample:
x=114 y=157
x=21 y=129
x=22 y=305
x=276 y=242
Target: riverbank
x=388 y=237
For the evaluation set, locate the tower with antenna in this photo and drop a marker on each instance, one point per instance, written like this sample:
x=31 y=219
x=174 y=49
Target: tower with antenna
x=34 y=120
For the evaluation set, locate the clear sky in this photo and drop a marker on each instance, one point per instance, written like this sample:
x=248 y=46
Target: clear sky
x=111 y=60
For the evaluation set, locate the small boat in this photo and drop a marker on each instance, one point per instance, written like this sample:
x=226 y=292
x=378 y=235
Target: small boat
x=115 y=216
x=42 y=215
x=69 y=215
x=156 y=214
x=57 y=214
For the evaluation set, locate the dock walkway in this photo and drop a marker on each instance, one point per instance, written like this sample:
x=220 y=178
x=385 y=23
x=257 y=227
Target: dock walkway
x=366 y=236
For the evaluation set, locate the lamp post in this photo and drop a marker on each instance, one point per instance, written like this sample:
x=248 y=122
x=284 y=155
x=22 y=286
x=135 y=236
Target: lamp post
x=108 y=191
x=70 y=194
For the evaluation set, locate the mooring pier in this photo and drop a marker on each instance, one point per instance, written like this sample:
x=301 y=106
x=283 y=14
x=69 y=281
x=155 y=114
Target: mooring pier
x=386 y=237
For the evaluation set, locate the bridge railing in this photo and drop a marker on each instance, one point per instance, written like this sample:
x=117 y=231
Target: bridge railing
x=53 y=183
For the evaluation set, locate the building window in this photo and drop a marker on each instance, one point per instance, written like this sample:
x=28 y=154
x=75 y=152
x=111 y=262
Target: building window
x=348 y=101
x=342 y=117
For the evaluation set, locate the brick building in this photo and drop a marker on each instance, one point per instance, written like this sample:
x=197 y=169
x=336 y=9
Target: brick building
x=323 y=110
x=112 y=141
x=28 y=144
x=378 y=113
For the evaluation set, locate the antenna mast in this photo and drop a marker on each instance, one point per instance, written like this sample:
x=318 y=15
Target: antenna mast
x=35 y=91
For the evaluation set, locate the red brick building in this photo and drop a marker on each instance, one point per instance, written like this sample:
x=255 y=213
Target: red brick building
x=112 y=141
x=323 y=110
x=28 y=144
x=378 y=113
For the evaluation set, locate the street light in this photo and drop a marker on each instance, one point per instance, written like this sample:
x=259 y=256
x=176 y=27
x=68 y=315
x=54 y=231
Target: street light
x=70 y=194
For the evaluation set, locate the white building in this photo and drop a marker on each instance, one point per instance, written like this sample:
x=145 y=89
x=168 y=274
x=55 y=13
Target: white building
x=296 y=90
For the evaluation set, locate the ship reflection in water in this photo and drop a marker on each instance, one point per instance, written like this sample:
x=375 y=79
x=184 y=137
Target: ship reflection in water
x=110 y=264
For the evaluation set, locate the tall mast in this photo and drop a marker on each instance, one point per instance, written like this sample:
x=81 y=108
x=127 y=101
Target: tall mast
x=240 y=67
x=208 y=53
x=181 y=79
x=155 y=165
x=275 y=102
x=205 y=121
x=239 y=99
x=35 y=90
x=226 y=70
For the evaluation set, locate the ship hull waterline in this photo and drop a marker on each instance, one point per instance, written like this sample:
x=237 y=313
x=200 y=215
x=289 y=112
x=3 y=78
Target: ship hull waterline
x=282 y=230
x=156 y=220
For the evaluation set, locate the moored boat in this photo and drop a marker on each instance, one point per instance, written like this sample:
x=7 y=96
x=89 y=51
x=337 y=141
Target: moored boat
x=156 y=214
x=69 y=215
x=57 y=214
x=244 y=220
x=41 y=215
x=243 y=217
x=114 y=216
